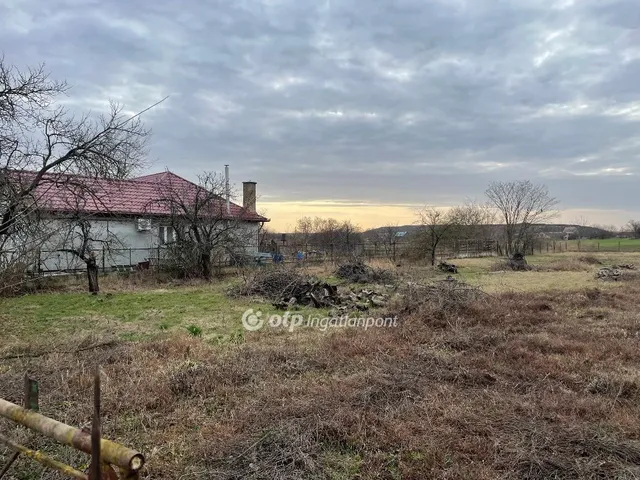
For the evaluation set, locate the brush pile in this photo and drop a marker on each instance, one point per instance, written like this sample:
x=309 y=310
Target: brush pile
x=447 y=267
x=322 y=295
x=309 y=293
x=448 y=295
x=288 y=289
x=614 y=272
x=361 y=300
x=360 y=272
x=276 y=283
x=518 y=263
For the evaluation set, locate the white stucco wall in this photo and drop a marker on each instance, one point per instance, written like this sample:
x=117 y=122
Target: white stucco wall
x=136 y=246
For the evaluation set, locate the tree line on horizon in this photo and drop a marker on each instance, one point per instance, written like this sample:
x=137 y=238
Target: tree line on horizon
x=511 y=216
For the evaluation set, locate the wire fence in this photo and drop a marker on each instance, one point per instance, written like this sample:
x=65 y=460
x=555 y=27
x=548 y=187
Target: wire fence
x=377 y=250
x=610 y=245
x=130 y=259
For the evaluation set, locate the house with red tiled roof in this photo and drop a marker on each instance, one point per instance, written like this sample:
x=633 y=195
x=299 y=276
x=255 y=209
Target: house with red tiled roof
x=131 y=210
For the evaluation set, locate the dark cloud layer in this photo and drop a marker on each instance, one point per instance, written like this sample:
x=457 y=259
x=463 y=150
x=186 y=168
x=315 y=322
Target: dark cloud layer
x=406 y=101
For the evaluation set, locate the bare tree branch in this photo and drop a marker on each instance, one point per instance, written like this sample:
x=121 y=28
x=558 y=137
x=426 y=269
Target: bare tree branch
x=44 y=150
x=201 y=228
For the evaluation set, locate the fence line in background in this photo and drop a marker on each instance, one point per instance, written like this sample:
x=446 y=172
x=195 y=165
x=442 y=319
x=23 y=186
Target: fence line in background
x=128 y=259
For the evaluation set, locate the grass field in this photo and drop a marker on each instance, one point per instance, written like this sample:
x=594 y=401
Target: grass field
x=538 y=379
x=604 y=245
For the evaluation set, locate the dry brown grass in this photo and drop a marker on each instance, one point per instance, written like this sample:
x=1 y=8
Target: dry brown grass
x=518 y=385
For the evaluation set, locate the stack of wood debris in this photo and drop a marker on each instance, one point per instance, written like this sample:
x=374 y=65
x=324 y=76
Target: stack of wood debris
x=614 y=272
x=288 y=289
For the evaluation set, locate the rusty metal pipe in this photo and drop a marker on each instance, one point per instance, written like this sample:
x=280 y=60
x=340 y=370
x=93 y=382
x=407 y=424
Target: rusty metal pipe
x=110 y=452
x=44 y=459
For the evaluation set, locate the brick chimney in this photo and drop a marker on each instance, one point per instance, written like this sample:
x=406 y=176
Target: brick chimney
x=249 y=196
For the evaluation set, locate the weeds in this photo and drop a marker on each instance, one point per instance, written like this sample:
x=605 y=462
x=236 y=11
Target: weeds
x=511 y=385
x=194 y=330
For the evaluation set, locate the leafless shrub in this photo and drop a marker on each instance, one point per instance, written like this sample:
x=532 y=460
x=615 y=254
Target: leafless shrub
x=516 y=263
x=446 y=296
x=590 y=259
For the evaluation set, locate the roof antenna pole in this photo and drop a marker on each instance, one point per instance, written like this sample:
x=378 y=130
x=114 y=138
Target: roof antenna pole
x=226 y=188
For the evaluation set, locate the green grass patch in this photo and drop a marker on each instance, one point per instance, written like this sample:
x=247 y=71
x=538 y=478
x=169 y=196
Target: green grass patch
x=128 y=315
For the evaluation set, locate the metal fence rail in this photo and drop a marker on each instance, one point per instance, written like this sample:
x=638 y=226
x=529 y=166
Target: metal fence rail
x=110 y=460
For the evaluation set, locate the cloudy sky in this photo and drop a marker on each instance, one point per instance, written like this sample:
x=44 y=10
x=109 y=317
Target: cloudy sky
x=363 y=110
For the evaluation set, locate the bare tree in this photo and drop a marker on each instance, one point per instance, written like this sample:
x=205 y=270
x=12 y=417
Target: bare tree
x=634 y=227
x=42 y=147
x=23 y=93
x=582 y=224
x=304 y=231
x=264 y=233
x=81 y=233
x=386 y=237
x=201 y=228
x=81 y=240
x=521 y=205
x=327 y=234
x=474 y=220
x=435 y=226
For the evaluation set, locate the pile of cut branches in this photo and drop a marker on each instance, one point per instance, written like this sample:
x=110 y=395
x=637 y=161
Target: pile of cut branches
x=360 y=272
x=277 y=283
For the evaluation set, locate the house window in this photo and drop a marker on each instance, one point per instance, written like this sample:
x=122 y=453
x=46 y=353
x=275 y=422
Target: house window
x=166 y=235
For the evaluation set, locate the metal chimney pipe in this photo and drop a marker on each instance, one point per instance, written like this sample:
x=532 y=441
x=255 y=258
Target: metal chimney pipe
x=226 y=188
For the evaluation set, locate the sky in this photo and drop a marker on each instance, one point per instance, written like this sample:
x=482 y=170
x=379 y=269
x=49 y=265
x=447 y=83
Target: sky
x=362 y=110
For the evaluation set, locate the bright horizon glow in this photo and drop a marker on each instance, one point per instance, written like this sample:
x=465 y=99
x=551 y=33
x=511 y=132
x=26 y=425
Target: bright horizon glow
x=284 y=215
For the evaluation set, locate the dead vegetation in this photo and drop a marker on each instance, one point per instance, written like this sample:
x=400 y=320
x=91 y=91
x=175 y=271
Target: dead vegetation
x=444 y=296
x=584 y=263
x=517 y=263
x=288 y=289
x=515 y=385
x=360 y=272
x=275 y=283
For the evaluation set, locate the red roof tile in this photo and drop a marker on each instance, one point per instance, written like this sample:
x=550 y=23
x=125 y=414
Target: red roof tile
x=136 y=196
